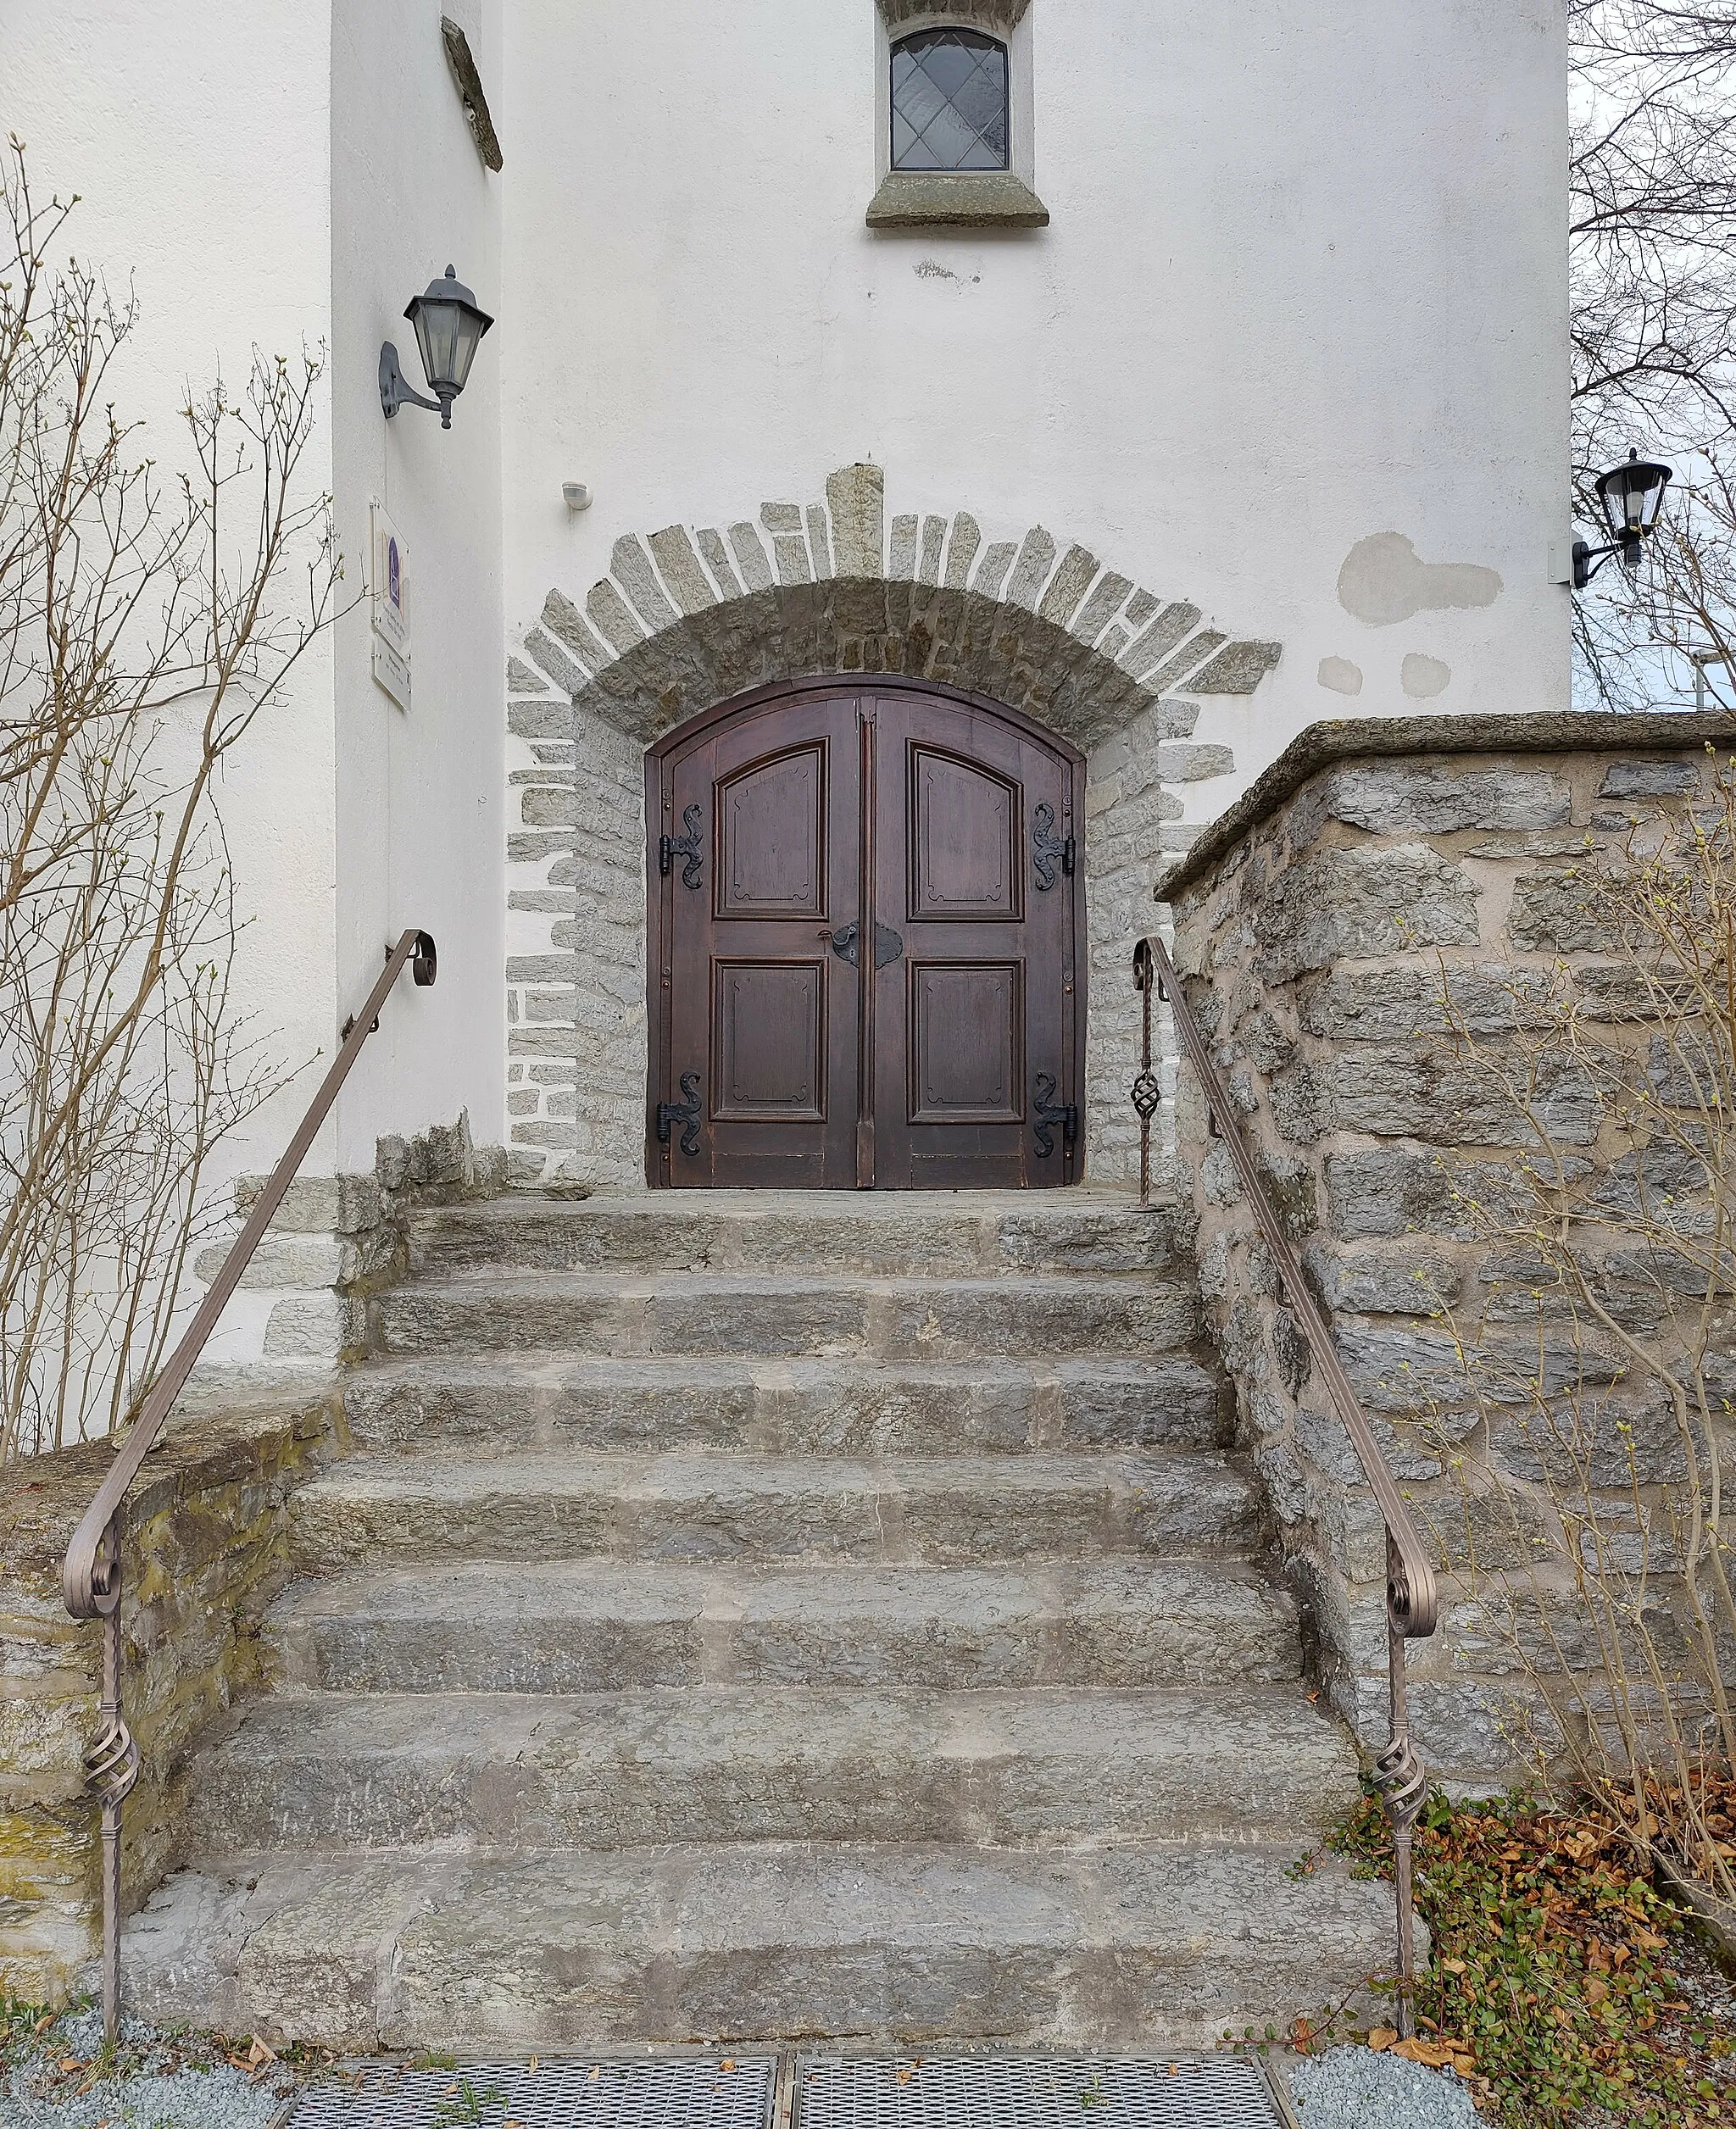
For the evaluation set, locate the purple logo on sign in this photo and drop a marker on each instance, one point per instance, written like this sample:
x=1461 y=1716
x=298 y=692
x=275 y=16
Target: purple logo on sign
x=393 y=592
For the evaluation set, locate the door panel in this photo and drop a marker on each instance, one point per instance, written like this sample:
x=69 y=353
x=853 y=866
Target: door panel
x=768 y=1039
x=967 y=1042
x=867 y=974
x=963 y=840
x=772 y=837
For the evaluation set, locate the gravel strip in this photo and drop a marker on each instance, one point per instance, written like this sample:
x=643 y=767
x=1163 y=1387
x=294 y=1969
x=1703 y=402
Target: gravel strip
x=1356 y=2088
x=159 y=2080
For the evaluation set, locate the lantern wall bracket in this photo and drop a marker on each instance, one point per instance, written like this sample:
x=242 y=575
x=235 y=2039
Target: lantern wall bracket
x=395 y=392
x=1588 y=560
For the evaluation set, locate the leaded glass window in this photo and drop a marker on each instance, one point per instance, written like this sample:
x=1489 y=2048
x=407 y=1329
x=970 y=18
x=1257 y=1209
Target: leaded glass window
x=948 y=102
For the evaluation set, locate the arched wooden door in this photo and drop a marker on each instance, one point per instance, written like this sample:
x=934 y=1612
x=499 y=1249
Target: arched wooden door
x=866 y=932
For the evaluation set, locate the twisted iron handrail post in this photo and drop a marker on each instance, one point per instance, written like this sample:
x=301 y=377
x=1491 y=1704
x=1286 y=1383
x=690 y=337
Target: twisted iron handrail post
x=1145 y=1091
x=1413 y=1604
x=91 y=1574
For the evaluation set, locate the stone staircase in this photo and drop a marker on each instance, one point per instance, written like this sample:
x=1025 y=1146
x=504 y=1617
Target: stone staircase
x=756 y=1618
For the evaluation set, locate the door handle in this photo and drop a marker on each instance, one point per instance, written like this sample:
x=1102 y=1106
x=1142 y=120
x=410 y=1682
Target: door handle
x=888 y=945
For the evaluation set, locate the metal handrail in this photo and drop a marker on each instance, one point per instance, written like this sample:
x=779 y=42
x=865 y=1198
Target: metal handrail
x=1413 y=1608
x=90 y=1575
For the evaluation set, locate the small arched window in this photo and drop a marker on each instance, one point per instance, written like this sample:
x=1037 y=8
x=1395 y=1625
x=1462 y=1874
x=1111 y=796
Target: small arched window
x=949 y=102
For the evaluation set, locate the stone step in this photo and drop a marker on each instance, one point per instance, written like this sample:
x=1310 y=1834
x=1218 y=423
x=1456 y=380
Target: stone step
x=917 y=1233
x=721 y=1504
x=590 y=1626
x=810 y=1407
x=1047 y=1768
x=1129 y=1948
x=694 y=1312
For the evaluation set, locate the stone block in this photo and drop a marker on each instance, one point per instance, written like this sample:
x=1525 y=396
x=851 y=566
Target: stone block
x=673 y=553
x=1396 y=1092
x=566 y=672
x=540 y=721
x=1399 y=1003
x=856 y=499
x=1421 y=797
x=1658 y=777
x=1562 y=910
x=1237 y=669
x=1156 y=640
x=1361 y=905
x=562 y=619
x=1191 y=654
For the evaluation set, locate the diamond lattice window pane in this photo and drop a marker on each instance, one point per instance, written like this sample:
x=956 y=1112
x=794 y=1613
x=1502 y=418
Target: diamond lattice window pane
x=949 y=102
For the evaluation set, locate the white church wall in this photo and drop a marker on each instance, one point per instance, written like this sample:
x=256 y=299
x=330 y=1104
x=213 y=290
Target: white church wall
x=1292 y=340
x=1303 y=287
x=421 y=791
x=199 y=142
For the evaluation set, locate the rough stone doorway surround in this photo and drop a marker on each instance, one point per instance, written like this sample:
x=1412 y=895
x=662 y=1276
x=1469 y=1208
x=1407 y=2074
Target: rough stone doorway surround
x=686 y=620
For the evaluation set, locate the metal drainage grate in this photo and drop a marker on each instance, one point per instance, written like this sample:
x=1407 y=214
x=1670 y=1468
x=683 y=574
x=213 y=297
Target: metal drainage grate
x=687 y=2093
x=1034 y=2092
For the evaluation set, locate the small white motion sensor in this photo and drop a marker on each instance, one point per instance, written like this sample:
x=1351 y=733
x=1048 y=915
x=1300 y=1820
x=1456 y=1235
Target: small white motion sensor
x=578 y=495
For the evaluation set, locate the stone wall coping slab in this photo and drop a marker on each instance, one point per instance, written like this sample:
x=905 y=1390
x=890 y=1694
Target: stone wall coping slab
x=1337 y=740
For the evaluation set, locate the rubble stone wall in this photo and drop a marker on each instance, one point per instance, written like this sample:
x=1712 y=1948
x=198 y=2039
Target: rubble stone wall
x=206 y=1549
x=1319 y=928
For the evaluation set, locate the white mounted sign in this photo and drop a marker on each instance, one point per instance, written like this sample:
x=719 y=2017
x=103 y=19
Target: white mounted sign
x=390 y=589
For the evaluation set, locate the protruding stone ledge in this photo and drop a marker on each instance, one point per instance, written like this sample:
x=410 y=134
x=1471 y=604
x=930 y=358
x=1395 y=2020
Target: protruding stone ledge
x=1004 y=16
x=1374 y=738
x=960 y=199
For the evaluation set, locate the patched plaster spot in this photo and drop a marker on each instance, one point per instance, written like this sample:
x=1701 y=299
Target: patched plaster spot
x=1384 y=580
x=1423 y=677
x=1340 y=675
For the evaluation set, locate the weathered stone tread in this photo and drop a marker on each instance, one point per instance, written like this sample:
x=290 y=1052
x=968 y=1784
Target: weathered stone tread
x=890 y=1234
x=1046 y=1768
x=721 y=1504
x=845 y=1406
x=585 y=1626
x=708 y=1313
x=1135 y=1946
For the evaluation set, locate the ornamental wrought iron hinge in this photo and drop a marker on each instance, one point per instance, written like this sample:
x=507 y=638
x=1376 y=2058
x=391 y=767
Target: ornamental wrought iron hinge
x=685 y=1112
x=1051 y=855
x=1049 y=1113
x=690 y=848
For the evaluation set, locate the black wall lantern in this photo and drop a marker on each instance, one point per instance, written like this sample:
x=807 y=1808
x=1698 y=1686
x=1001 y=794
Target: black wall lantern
x=1632 y=495
x=449 y=326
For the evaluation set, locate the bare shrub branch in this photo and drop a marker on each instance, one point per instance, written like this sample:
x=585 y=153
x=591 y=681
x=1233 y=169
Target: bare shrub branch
x=145 y=623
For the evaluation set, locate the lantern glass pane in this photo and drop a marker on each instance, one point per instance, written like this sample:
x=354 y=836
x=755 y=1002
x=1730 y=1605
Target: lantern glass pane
x=467 y=333
x=436 y=333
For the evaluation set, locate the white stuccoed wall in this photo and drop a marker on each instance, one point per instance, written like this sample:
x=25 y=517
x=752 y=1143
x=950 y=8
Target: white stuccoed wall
x=1304 y=284
x=210 y=145
x=421 y=792
x=198 y=136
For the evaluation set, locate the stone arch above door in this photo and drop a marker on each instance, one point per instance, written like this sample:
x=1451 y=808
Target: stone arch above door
x=689 y=618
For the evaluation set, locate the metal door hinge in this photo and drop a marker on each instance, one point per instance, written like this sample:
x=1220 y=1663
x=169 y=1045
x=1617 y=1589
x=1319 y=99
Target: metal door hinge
x=685 y=1112
x=689 y=847
x=1050 y=853
x=1049 y=1113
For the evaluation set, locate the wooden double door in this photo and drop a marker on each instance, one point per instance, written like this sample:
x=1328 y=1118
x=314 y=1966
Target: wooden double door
x=867 y=934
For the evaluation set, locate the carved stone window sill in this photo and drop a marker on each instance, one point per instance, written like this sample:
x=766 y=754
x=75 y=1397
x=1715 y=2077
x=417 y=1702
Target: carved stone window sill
x=966 y=199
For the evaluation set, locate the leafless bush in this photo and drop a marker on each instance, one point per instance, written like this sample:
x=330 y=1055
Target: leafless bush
x=143 y=627
x=1601 y=1347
